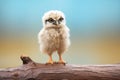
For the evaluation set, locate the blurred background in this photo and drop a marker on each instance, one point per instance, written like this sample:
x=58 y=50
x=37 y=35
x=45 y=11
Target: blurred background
x=94 y=25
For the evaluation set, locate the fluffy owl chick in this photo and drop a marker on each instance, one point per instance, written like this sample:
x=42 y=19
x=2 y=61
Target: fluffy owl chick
x=54 y=35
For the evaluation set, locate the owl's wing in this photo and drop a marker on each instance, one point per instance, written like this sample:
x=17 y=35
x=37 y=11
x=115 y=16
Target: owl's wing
x=67 y=32
x=40 y=34
x=67 y=35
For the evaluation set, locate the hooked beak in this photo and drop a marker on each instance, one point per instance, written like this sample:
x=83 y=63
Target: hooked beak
x=55 y=23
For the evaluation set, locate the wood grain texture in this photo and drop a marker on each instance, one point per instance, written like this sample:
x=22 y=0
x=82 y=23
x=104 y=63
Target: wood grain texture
x=37 y=71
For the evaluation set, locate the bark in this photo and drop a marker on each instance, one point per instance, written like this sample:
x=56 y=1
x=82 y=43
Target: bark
x=37 y=71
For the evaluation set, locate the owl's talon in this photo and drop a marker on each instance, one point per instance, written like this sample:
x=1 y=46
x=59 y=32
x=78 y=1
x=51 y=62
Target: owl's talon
x=61 y=62
x=50 y=62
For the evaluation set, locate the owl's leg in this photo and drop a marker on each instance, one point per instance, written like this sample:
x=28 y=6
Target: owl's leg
x=61 y=59
x=50 y=61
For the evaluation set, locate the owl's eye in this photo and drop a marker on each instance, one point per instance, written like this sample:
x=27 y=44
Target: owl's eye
x=61 y=19
x=50 y=20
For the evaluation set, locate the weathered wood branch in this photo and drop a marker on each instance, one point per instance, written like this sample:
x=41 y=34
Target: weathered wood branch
x=36 y=71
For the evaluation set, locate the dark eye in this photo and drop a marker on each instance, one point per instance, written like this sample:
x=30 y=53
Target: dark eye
x=61 y=19
x=50 y=20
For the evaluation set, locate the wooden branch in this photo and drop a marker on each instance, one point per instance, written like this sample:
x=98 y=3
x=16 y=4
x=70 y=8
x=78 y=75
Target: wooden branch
x=37 y=71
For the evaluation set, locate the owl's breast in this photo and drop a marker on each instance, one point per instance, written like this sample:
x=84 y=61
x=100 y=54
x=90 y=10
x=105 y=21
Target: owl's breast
x=55 y=37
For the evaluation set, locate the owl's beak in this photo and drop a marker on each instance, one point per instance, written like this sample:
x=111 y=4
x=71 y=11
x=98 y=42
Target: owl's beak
x=55 y=23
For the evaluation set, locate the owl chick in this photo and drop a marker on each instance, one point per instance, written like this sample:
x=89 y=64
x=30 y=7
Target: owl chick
x=54 y=36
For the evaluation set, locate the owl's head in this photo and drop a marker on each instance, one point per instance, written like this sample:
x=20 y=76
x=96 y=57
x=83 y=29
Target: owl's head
x=53 y=18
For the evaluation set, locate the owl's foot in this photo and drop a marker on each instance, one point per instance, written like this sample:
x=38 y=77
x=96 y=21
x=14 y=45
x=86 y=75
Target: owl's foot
x=50 y=62
x=61 y=62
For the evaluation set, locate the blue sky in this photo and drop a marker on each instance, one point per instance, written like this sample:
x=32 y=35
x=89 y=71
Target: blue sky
x=80 y=14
